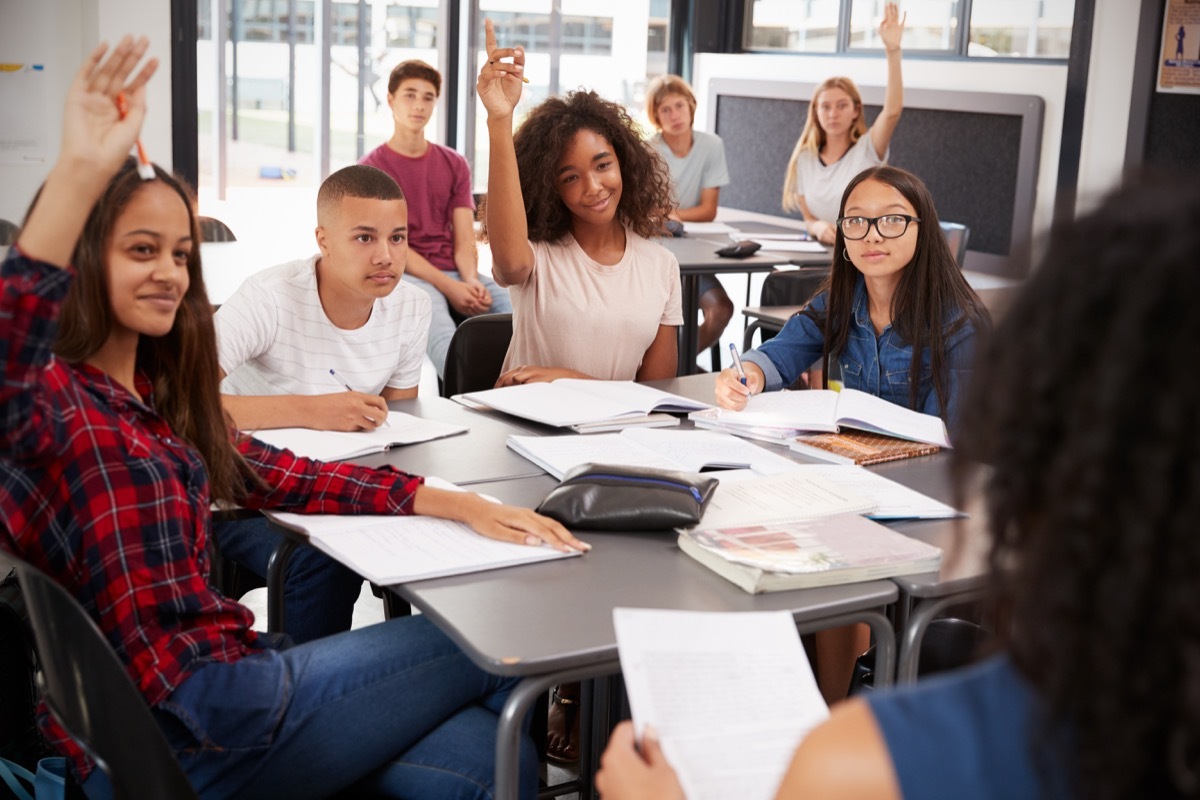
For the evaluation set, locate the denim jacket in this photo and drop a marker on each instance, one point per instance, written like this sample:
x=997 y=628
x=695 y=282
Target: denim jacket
x=879 y=365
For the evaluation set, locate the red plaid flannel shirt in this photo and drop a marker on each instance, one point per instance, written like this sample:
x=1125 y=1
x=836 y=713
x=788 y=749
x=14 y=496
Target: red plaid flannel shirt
x=97 y=491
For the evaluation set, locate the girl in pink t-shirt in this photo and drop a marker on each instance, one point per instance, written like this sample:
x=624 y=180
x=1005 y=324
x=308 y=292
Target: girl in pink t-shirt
x=572 y=197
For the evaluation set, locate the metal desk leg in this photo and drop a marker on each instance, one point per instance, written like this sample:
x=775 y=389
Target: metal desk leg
x=748 y=336
x=276 y=571
x=881 y=630
x=913 y=633
x=520 y=699
x=689 y=335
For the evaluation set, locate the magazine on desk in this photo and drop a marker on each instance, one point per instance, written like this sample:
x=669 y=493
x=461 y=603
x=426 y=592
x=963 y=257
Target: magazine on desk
x=730 y=695
x=788 y=414
x=401 y=429
x=582 y=404
x=400 y=549
x=817 y=552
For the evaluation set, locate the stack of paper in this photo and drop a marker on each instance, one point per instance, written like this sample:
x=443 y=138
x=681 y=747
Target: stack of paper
x=337 y=445
x=731 y=696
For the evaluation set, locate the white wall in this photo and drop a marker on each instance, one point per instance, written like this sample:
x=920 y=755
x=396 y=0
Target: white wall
x=60 y=34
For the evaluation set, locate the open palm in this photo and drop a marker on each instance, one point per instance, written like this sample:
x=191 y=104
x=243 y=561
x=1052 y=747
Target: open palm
x=499 y=85
x=892 y=26
x=94 y=131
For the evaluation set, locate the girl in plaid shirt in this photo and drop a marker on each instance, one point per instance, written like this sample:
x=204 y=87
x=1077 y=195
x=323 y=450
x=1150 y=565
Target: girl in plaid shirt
x=112 y=447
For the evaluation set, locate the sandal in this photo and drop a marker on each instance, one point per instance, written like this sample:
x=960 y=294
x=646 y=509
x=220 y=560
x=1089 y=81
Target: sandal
x=562 y=734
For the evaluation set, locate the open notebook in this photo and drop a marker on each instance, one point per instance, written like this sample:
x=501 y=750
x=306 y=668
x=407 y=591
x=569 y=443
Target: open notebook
x=572 y=402
x=393 y=549
x=337 y=445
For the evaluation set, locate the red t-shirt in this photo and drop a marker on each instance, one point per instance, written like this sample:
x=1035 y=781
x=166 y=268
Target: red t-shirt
x=434 y=184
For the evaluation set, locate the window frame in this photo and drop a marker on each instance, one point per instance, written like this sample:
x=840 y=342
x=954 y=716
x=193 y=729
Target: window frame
x=843 y=48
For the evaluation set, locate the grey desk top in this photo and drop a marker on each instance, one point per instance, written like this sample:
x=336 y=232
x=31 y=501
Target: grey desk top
x=541 y=618
x=700 y=256
x=478 y=455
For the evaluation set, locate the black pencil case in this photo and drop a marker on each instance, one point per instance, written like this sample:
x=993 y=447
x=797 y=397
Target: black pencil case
x=616 y=498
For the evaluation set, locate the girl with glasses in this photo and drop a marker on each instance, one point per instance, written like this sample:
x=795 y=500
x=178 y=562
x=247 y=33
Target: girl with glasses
x=835 y=144
x=897 y=316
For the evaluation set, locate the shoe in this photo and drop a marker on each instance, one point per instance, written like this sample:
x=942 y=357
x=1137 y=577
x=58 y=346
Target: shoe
x=562 y=735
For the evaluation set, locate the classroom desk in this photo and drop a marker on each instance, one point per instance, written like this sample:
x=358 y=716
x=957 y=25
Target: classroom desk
x=550 y=623
x=962 y=577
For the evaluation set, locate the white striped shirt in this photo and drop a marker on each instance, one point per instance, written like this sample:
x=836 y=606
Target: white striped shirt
x=273 y=337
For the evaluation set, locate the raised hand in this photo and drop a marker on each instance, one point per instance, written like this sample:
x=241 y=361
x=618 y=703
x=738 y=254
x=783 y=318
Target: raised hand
x=892 y=26
x=499 y=84
x=95 y=141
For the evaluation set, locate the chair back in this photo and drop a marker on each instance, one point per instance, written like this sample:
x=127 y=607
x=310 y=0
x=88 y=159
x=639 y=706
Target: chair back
x=792 y=288
x=956 y=236
x=90 y=694
x=8 y=232
x=213 y=230
x=476 y=354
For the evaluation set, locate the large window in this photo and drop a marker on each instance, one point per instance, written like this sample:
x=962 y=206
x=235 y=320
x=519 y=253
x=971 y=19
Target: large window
x=613 y=48
x=1005 y=28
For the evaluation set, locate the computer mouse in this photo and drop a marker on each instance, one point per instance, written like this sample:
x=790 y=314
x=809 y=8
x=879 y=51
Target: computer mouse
x=743 y=249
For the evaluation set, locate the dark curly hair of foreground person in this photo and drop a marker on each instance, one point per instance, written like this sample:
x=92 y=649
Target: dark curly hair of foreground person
x=1086 y=410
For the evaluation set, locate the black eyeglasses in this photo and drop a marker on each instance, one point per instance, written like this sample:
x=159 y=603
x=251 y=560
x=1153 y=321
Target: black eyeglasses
x=890 y=226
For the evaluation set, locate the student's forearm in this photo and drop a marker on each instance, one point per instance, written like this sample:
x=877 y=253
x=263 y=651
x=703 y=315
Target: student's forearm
x=62 y=208
x=698 y=213
x=251 y=413
x=419 y=267
x=893 y=100
x=508 y=230
x=466 y=251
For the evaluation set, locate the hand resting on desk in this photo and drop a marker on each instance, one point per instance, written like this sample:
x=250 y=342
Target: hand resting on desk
x=495 y=520
x=526 y=374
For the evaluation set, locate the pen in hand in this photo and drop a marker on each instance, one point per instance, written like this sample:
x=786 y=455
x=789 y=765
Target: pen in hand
x=346 y=386
x=737 y=363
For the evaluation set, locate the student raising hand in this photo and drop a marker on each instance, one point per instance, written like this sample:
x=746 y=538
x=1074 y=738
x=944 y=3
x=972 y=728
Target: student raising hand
x=499 y=85
x=891 y=28
x=95 y=142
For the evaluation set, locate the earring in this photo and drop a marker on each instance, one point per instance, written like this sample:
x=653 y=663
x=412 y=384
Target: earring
x=846 y=253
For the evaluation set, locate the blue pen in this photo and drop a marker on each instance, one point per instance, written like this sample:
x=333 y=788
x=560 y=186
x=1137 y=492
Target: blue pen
x=338 y=378
x=737 y=363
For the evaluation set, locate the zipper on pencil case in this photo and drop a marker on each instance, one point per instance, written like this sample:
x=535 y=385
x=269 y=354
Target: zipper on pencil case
x=657 y=481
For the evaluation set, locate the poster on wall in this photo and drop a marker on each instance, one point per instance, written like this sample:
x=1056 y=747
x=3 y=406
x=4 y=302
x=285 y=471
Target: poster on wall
x=1179 y=57
x=24 y=136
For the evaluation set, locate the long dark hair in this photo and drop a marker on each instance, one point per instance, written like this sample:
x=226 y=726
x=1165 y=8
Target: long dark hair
x=1085 y=407
x=932 y=301
x=182 y=365
x=540 y=142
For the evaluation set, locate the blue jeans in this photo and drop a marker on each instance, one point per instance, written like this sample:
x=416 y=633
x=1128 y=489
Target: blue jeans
x=442 y=325
x=394 y=710
x=318 y=592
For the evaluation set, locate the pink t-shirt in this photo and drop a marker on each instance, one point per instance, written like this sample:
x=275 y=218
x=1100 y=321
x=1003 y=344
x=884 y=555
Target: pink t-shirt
x=574 y=313
x=434 y=184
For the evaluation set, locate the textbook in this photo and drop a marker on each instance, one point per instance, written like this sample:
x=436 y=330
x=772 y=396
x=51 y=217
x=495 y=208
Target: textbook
x=569 y=402
x=788 y=414
x=337 y=445
x=730 y=694
x=859 y=447
x=800 y=555
x=691 y=451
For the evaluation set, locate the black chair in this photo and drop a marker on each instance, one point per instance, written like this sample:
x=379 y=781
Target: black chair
x=476 y=354
x=213 y=230
x=8 y=232
x=956 y=236
x=90 y=694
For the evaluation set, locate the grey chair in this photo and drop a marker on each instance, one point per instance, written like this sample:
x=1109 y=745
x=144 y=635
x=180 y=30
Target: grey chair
x=90 y=694
x=8 y=232
x=956 y=236
x=213 y=230
x=476 y=354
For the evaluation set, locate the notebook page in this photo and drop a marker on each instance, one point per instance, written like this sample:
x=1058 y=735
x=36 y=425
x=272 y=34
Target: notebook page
x=694 y=450
x=555 y=404
x=335 y=445
x=814 y=409
x=631 y=396
x=560 y=454
x=731 y=695
x=861 y=410
x=893 y=500
x=786 y=497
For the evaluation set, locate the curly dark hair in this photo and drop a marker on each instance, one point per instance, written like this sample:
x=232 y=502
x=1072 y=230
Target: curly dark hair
x=1085 y=407
x=932 y=301
x=545 y=134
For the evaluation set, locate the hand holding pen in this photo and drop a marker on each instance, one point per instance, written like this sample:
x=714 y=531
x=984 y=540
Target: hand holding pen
x=373 y=403
x=736 y=384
